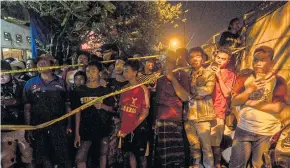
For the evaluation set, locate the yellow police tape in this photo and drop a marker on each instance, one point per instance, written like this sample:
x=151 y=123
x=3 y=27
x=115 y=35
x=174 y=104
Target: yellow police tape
x=100 y=99
x=68 y=66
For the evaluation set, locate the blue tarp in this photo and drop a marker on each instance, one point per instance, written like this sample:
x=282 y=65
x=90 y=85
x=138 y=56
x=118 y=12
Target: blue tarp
x=40 y=30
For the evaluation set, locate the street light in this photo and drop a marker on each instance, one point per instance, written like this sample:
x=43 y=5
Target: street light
x=173 y=44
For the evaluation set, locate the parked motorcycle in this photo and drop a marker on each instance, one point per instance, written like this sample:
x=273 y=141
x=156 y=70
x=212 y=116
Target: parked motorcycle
x=278 y=155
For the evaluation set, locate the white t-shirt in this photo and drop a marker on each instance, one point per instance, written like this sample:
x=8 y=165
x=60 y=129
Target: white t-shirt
x=254 y=120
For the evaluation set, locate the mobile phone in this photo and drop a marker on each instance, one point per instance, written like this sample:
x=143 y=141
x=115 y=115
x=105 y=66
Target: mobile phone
x=214 y=64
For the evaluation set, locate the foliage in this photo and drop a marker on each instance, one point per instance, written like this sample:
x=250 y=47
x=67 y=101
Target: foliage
x=132 y=25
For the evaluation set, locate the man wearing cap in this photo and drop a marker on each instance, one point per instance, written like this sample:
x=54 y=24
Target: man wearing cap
x=45 y=99
x=201 y=112
x=12 y=114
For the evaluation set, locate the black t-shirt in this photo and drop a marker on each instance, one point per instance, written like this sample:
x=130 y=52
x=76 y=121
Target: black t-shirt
x=115 y=85
x=12 y=115
x=229 y=39
x=95 y=123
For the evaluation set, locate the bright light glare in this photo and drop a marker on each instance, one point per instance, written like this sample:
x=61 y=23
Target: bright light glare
x=174 y=42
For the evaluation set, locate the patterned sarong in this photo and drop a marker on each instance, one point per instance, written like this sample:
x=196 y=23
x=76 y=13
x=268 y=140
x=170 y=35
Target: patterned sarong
x=170 y=144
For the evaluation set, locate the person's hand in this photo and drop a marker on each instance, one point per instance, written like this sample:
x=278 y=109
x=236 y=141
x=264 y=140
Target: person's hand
x=122 y=134
x=217 y=71
x=28 y=136
x=68 y=129
x=98 y=105
x=252 y=103
x=103 y=83
x=8 y=102
x=77 y=141
x=199 y=97
x=170 y=76
x=257 y=85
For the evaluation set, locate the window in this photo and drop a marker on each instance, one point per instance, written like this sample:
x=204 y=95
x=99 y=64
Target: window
x=7 y=36
x=18 y=38
x=28 y=39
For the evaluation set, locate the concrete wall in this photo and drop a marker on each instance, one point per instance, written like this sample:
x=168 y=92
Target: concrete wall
x=14 y=29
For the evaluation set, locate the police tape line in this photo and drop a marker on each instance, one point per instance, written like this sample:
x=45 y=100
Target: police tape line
x=82 y=107
x=69 y=66
x=236 y=50
x=39 y=69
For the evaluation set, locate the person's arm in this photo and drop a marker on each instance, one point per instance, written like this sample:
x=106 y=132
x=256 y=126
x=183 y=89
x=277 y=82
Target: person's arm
x=26 y=97
x=10 y=102
x=209 y=86
x=107 y=108
x=225 y=90
x=77 y=123
x=27 y=111
x=77 y=140
x=27 y=119
x=142 y=117
x=241 y=95
x=145 y=105
x=27 y=114
x=268 y=107
x=242 y=98
x=180 y=91
x=68 y=127
x=67 y=94
x=225 y=84
x=75 y=103
x=279 y=99
x=108 y=103
x=222 y=39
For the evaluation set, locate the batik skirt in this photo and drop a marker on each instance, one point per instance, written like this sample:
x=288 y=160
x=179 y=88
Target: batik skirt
x=170 y=144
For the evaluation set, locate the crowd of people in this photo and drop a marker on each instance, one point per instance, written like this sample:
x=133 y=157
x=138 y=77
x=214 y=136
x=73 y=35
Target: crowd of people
x=178 y=120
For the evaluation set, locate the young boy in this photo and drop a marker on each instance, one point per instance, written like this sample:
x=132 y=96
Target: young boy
x=80 y=79
x=222 y=92
x=134 y=107
x=93 y=123
x=262 y=97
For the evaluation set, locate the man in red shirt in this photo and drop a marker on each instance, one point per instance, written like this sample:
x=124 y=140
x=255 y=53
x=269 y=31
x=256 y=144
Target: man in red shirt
x=224 y=83
x=134 y=107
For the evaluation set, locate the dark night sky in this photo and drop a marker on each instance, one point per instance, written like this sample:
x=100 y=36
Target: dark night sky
x=206 y=18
